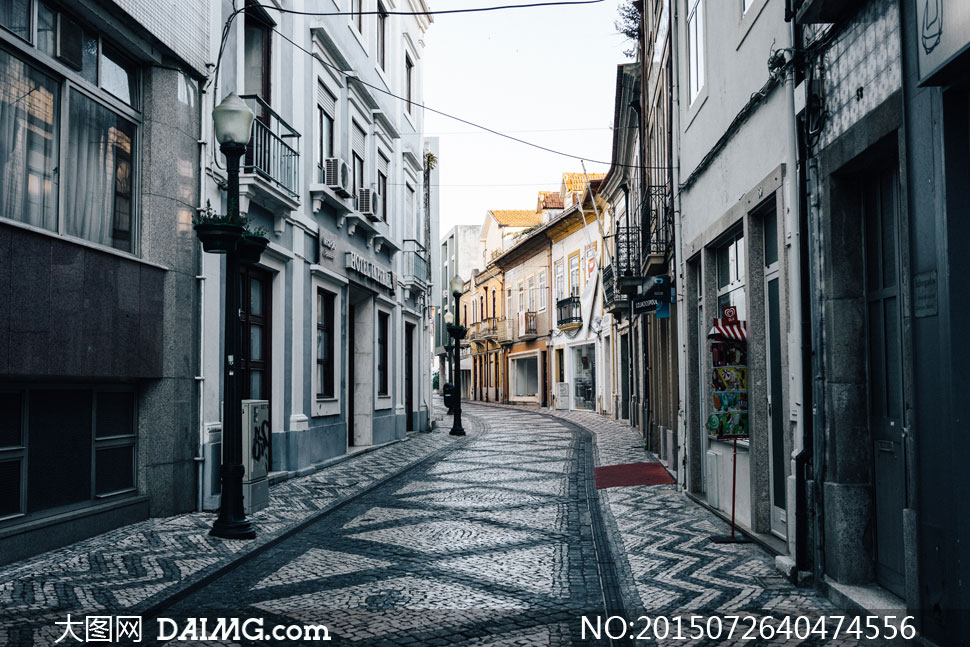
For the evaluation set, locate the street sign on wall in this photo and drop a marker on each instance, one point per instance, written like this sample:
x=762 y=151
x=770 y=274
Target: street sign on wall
x=944 y=28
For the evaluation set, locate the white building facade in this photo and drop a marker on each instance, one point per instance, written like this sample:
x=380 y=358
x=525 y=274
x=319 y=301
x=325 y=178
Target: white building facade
x=337 y=314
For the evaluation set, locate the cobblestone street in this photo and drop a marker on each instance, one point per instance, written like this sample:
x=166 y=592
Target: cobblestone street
x=499 y=539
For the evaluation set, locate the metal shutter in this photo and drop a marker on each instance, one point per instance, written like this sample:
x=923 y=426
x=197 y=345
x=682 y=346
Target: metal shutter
x=359 y=137
x=327 y=100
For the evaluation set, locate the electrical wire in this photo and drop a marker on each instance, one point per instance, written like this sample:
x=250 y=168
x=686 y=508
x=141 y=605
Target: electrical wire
x=430 y=12
x=461 y=120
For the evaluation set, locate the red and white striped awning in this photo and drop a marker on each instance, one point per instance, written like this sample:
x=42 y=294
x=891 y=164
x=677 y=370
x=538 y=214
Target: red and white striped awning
x=733 y=331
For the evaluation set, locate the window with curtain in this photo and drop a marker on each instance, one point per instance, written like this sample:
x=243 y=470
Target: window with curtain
x=542 y=290
x=83 y=124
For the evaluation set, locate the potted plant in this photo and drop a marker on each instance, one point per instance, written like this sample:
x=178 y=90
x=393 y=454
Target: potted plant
x=252 y=244
x=219 y=233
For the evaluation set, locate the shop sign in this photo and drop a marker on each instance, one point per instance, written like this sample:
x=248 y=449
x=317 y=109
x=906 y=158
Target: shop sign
x=371 y=270
x=944 y=33
x=645 y=305
x=328 y=248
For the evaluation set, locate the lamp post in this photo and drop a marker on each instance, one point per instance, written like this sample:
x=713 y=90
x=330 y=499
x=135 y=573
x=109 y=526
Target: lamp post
x=449 y=384
x=233 y=127
x=457 y=287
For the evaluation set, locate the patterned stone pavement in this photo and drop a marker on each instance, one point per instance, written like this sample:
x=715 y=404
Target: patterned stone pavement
x=498 y=539
x=133 y=568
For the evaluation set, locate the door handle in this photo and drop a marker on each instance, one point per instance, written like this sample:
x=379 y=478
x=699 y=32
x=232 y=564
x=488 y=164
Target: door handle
x=886 y=446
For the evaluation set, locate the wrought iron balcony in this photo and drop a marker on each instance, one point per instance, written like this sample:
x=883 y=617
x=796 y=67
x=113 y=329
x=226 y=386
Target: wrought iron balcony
x=273 y=152
x=569 y=313
x=659 y=229
x=613 y=299
x=626 y=264
x=417 y=267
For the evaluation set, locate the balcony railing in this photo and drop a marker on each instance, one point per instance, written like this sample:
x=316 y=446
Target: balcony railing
x=490 y=328
x=504 y=330
x=659 y=220
x=569 y=312
x=613 y=298
x=416 y=262
x=273 y=151
x=475 y=331
x=627 y=261
x=526 y=326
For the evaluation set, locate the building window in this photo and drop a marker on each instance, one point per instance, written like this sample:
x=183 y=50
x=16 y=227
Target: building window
x=357 y=14
x=410 y=223
x=695 y=47
x=542 y=290
x=63 y=446
x=409 y=81
x=381 y=35
x=255 y=323
x=46 y=124
x=358 y=174
x=325 y=338
x=521 y=297
x=15 y=16
x=508 y=302
x=258 y=32
x=383 y=327
x=358 y=145
x=560 y=281
x=574 y=274
x=326 y=109
x=730 y=276
x=383 y=164
x=493 y=303
x=532 y=293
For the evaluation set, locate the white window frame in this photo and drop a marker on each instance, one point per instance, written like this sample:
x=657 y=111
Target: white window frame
x=696 y=50
x=323 y=280
x=542 y=290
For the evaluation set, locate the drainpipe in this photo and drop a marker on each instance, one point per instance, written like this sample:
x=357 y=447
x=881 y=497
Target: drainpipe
x=679 y=262
x=200 y=281
x=796 y=395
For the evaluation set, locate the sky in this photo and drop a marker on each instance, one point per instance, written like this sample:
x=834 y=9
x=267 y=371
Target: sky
x=545 y=74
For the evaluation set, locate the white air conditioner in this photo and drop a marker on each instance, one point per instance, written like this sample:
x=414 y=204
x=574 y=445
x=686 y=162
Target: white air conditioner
x=256 y=439
x=336 y=175
x=369 y=203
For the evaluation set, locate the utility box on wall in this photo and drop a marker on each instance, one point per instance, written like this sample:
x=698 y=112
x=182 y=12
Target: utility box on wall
x=256 y=438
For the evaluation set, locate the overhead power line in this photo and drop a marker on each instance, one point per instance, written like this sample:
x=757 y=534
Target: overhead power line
x=430 y=12
x=459 y=119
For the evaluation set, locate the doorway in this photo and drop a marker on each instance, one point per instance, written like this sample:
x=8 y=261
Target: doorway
x=885 y=373
x=256 y=336
x=625 y=377
x=409 y=374
x=777 y=477
x=545 y=382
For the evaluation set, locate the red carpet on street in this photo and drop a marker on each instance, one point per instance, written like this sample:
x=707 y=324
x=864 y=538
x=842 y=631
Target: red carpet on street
x=631 y=474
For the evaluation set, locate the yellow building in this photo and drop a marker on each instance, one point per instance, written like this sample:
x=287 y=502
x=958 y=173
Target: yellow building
x=488 y=320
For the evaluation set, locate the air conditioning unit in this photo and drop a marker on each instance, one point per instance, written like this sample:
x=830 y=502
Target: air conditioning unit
x=336 y=175
x=369 y=203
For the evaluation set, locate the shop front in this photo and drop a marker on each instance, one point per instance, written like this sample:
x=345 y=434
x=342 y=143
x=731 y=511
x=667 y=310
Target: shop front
x=583 y=378
x=524 y=377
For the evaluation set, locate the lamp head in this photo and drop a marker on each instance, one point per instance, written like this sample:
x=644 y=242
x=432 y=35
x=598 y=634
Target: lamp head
x=449 y=318
x=457 y=285
x=233 y=121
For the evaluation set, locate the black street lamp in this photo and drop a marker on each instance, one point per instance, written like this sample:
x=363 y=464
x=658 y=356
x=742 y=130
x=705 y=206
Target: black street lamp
x=458 y=332
x=233 y=127
x=449 y=384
